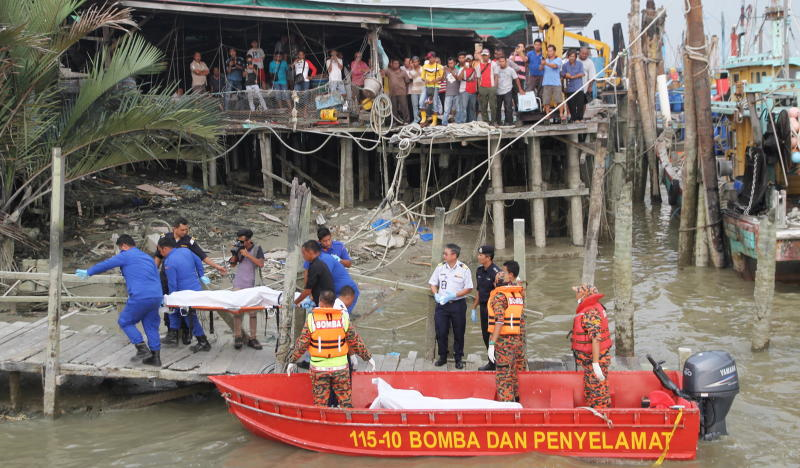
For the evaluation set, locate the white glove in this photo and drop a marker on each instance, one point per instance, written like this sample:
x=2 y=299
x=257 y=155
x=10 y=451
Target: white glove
x=371 y=367
x=336 y=257
x=291 y=368
x=490 y=352
x=598 y=372
x=354 y=361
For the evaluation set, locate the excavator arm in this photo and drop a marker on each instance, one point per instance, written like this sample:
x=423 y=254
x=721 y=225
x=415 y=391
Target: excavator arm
x=554 y=31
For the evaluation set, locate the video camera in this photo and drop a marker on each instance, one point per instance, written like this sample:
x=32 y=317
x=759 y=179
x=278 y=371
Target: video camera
x=237 y=247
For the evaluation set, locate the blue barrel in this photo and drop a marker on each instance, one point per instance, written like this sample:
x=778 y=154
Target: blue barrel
x=676 y=100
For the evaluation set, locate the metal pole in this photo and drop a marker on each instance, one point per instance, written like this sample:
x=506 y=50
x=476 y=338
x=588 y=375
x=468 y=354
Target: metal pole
x=51 y=367
x=519 y=247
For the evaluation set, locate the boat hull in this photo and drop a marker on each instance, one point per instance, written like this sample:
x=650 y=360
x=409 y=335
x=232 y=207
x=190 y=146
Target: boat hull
x=627 y=433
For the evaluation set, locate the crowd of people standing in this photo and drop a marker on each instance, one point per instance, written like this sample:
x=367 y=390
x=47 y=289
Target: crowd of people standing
x=487 y=86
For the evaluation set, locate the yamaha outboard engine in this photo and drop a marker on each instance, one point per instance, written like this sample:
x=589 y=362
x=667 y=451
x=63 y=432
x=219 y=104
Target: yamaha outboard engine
x=710 y=378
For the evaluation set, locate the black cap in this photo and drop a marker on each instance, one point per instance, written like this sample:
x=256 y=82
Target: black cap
x=486 y=250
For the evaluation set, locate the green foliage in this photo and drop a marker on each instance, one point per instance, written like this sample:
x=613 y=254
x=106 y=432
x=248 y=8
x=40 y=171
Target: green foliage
x=109 y=122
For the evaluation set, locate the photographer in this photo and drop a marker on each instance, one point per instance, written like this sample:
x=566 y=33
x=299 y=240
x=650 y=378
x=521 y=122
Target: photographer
x=248 y=258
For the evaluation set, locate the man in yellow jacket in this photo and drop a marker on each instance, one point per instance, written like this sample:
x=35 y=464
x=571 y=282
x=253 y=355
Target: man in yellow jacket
x=327 y=336
x=432 y=73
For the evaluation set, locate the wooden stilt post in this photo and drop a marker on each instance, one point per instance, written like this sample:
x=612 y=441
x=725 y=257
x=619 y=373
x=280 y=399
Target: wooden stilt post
x=695 y=38
x=700 y=243
x=423 y=177
x=687 y=235
x=596 y=203
x=204 y=172
x=265 y=143
x=212 y=172
x=574 y=182
x=297 y=201
x=498 y=209
x=537 y=204
x=51 y=367
x=623 y=272
x=437 y=246
x=363 y=175
x=14 y=390
x=346 y=173
x=765 y=275
x=285 y=173
x=519 y=247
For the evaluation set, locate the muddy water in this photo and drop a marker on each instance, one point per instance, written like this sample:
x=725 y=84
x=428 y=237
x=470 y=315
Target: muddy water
x=698 y=308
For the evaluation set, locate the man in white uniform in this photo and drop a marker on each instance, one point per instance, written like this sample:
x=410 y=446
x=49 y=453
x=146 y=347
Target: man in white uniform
x=450 y=283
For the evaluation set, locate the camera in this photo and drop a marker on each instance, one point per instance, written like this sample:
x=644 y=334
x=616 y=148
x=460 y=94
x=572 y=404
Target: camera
x=237 y=247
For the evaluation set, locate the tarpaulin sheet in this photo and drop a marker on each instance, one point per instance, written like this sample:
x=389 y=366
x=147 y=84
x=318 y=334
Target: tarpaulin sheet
x=483 y=22
x=261 y=296
x=397 y=398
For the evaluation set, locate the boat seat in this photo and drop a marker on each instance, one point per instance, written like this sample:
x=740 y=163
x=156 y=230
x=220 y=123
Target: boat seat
x=561 y=397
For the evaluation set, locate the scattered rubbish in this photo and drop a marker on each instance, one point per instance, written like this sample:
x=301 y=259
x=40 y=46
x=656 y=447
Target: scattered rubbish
x=190 y=188
x=223 y=203
x=380 y=224
x=272 y=218
x=426 y=237
x=389 y=240
x=320 y=220
x=154 y=190
x=278 y=206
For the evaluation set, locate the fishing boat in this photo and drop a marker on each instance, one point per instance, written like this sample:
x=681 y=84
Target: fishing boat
x=757 y=142
x=552 y=418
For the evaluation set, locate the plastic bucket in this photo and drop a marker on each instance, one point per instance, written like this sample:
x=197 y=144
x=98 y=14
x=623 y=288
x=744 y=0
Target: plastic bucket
x=328 y=114
x=372 y=86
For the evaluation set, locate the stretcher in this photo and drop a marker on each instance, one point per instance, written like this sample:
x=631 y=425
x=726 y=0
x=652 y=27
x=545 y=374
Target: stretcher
x=241 y=300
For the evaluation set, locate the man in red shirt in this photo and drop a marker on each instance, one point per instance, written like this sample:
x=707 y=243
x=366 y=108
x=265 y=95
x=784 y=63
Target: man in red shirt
x=487 y=87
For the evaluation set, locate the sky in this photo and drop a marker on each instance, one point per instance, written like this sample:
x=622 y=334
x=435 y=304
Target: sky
x=608 y=12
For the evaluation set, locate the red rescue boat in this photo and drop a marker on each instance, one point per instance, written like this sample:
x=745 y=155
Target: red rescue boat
x=552 y=419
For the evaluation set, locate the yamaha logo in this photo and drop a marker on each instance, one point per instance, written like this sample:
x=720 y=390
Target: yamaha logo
x=687 y=372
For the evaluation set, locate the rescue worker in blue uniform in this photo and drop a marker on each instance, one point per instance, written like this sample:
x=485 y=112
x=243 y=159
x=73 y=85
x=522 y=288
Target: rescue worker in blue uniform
x=180 y=234
x=485 y=276
x=144 y=297
x=184 y=272
x=450 y=283
x=333 y=248
x=339 y=274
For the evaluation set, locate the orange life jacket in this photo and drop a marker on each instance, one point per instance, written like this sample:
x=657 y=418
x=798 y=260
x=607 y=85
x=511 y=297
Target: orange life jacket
x=512 y=316
x=581 y=341
x=328 y=330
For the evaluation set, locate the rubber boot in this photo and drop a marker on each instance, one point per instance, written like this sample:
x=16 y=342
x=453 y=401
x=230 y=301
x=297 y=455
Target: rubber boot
x=154 y=359
x=142 y=351
x=423 y=118
x=434 y=120
x=186 y=336
x=171 y=339
x=202 y=345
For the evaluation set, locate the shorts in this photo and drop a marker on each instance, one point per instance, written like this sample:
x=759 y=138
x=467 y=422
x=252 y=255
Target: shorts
x=551 y=95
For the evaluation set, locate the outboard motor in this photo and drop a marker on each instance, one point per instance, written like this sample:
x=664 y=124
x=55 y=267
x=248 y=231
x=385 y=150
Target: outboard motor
x=710 y=378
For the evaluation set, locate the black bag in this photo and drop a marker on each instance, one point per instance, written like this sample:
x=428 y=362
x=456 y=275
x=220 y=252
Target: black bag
x=299 y=77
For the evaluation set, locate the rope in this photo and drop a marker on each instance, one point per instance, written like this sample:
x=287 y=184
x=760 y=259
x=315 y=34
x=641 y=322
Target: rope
x=600 y=415
x=393 y=330
x=669 y=438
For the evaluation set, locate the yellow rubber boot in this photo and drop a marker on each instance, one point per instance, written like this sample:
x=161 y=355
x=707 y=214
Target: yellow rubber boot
x=423 y=117
x=434 y=120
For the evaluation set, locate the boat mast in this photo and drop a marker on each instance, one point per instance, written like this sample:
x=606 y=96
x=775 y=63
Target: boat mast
x=786 y=39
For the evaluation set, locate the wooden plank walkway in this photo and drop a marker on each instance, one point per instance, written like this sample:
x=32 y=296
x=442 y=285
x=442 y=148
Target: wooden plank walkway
x=99 y=352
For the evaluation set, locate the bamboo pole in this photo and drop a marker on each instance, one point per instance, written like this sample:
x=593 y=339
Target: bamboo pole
x=51 y=367
x=285 y=338
x=437 y=246
x=695 y=39
x=764 y=290
x=596 y=204
x=265 y=143
x=623 y=273
x=346 y=185
x=687 y=234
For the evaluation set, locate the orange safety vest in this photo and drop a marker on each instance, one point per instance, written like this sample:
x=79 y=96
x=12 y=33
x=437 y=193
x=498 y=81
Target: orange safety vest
x=328 y=329
x=512 y=316
x=581 y=341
